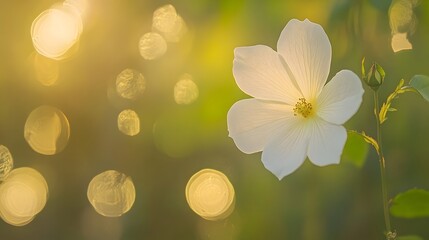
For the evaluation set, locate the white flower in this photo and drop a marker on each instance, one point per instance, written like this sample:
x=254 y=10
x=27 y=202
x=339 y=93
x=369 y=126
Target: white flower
x=293 y=113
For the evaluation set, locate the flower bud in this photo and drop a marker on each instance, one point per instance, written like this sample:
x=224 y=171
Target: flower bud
x=375 y=76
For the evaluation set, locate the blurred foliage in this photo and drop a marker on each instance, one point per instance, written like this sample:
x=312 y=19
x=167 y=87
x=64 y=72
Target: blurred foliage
x=411 y=237
x=413 y=203
x=356 y=149
x=176 y=141
x=421 y=84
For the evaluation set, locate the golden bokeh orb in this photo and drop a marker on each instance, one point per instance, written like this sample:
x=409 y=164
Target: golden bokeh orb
x=6 y=162
x=47 y=130
x=56 y=30
x=170 y=24
x=130 y=84
x=185 y=90
x=23 y=194
x=152 y=46
x=210 y=194
x=111 y=193
x=129 y=122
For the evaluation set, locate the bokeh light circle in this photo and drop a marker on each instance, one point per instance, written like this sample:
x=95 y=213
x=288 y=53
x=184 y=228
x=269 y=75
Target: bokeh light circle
x=164 y=18
x=47 y=130
x=166 y=21
x=129 y=122
x=111 y=193
x=210 y=194
x=152 y=46
x=185 y=90
x=23 y=194
x=130 y=84
x=56 y=30
x=6 y=162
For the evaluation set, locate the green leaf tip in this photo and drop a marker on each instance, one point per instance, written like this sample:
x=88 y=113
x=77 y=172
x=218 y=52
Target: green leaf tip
x=413 y=203
x=421 y=84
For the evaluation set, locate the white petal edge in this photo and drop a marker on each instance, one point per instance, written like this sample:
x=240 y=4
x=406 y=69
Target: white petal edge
x=326 y=143
x=259 y=72
x=340 y=98
x=307 y=52
x=252 y=123
x=287 y=151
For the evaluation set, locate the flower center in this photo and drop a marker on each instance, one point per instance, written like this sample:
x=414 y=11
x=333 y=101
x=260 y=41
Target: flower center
x=303 y=108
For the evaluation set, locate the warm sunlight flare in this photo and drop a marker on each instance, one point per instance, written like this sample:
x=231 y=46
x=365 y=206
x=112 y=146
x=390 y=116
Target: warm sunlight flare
x=210 y=194
x=23 y=194
x=129 y=122
x=130 y=84
x=80 y=5
x=6 y=162
x=111 y=193
x=185 y=90
x=47 y=130
x=214 y=120
x=56 y=30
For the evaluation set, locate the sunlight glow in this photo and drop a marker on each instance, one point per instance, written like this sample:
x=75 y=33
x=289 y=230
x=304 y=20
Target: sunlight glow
x=185 y=90
x=129 y=122
x=45 y=69
x=210 y=194
x=56 y=30
x=23 y=195
x=166 y=21
x=6 y=162
x=130 y=84
x=152 y=46
x=47 y=130
x=80 y=5
x=111 y=193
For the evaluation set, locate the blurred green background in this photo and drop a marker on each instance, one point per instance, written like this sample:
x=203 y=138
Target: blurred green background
x=335 y=202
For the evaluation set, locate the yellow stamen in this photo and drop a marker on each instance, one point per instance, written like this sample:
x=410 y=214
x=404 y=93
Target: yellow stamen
x=303 y=108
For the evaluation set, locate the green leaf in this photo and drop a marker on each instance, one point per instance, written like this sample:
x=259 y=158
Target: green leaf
x=380 y=71
x=355 y=150
x=386 y=107
x=409 y=237
x=413 y=203
x=421 y=84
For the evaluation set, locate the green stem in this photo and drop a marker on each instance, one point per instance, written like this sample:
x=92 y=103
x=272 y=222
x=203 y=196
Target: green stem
x=390 y=235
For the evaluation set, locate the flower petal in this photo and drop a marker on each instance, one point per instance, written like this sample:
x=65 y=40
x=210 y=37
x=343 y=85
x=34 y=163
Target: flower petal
x=287 y=151
x=306 y=50
x=326 y=143
x=340 y=98
x=252 y=123
x=259 y=72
